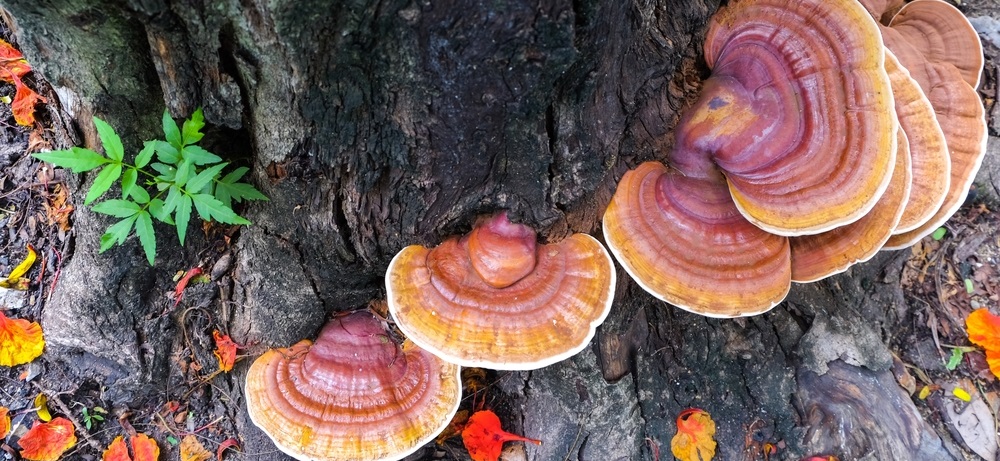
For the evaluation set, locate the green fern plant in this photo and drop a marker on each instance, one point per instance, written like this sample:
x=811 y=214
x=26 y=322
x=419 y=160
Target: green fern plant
x=183 y=178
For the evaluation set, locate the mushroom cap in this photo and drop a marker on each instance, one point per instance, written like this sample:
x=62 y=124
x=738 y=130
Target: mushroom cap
x=963 y=121
x=502 y=252
x=882 y=10
x=354 y=394
x=816 y=257
x=683 y=240
x=942 y=34
x=798 y=113
x=441 y=303
x=928 y=150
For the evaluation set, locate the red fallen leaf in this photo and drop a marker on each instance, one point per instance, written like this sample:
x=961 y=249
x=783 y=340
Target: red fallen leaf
x=183 y=283
x=484 y=437
x=47 y=441
x=117 y=451
x=225 y=351
x=228 y=443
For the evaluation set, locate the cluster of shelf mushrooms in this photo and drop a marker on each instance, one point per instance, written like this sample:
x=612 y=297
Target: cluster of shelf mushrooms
x=821 y=137
x=494 y=298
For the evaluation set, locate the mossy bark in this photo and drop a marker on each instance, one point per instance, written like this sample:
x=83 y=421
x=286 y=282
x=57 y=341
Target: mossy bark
x=373 y=125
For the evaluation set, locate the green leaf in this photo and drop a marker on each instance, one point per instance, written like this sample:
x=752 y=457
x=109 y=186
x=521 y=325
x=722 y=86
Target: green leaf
x=204 y=178
x=166 y=153
x=103 y=182
x=129 y=178
x=199 y=156
x=234 y=175
x=144 y=229
x=173 y=198
x=117 y=233
x=156 y=209
x=209 y=206
x=146 y=154
x=170 y=130
x=185 y=171
x=167 y=172
x=117 y=208
x=969 y=288
x=192 y=127
x=183 y=216
x=955 y=359
x=112 y=143
x=939 y=233
x=140 y=195
x=237 y=191
x=76 y=159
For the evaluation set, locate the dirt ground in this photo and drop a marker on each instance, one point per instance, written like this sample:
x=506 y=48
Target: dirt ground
x=952 y=276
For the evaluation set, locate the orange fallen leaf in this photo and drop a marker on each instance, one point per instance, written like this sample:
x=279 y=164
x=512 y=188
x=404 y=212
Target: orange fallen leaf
x=193 y=450
x=23 y=106
x=117 y=451
x=983 y=329
x=225 y=351
x=4 y=422
x=145 y=448
x=47 y=441
x=694 y=440
x=12 y=61
x=13 y=66
x=226 y=444
x=484 y=437
x=20 y=341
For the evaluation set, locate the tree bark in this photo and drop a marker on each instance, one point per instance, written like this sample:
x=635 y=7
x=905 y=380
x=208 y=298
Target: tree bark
x=373 y=125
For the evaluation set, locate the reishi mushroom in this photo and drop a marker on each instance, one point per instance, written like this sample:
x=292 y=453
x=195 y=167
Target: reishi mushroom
x=497 y=299
x=355 y=394
x=799 y=121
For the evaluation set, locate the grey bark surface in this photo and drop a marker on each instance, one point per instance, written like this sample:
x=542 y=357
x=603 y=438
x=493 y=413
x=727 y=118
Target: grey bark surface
x=373 y=125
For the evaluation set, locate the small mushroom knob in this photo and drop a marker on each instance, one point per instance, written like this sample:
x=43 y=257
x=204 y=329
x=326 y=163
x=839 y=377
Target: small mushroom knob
x=502 y=252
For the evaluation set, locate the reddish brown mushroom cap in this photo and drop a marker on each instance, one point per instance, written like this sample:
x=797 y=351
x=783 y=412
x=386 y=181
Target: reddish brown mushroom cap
x=683 y=240
x=963 y=121
x=815 y=257
x=798 y=113
x=928 y=150
x=441 y=302
x=353 y=395
x=942 y=34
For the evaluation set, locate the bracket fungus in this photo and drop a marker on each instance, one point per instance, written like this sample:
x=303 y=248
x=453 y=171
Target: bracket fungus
x=495 y=298
x=354 y=394
x=786 y=168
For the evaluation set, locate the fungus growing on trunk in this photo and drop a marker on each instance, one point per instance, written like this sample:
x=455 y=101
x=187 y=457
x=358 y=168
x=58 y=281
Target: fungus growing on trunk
x=496 y=299
x=943 y=54
x=354 y=394
x=797 y=122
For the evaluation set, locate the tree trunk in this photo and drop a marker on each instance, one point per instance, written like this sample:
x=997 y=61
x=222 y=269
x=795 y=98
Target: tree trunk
x=372 y=125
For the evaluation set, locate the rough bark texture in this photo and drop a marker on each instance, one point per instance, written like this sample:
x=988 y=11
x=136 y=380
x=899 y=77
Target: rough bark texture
x=373 y=125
